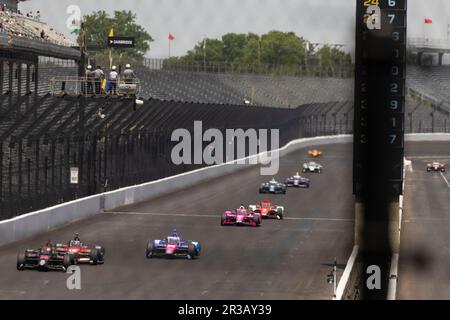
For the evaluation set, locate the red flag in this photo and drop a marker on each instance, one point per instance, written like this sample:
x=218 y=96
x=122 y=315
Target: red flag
x=171 y=37
x=428 y=21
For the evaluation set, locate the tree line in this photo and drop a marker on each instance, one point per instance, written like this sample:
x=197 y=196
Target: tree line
x=274 y=48
x=270 y=50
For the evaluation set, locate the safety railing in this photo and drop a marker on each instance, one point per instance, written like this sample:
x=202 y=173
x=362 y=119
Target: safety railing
x=76 y=86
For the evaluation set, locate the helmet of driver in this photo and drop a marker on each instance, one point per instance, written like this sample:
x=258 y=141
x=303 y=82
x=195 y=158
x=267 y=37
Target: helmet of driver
x=114 y=68
x=128 y=66
x=89 y=67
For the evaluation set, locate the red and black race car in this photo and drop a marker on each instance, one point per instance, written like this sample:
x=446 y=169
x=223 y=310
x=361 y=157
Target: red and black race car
x=268 y=210
x=43 y=259
x=81 y=253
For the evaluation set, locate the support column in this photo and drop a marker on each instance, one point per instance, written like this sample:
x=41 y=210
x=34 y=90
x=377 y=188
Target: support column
x=419 y=58
x=19 y=79
x=441 y=56
x=375 y=228
x=10 y=80
x=28 y=86
x=2 y=75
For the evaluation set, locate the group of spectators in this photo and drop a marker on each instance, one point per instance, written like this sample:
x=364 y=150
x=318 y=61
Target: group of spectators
x=19 y=25
x=97 y=82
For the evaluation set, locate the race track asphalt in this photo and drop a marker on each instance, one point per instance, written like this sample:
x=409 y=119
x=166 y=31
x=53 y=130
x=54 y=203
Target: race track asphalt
x=287 y=259
x=424 y=271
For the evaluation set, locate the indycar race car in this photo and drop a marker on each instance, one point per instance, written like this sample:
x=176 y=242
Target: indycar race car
x=268 y=210
x=273 y=186
x=241 y=217
x=314 y=153
x=436 y=167
x=173 y=247
x=43 y=259
x=312 y=167
x=81 y=253
x=298 y=181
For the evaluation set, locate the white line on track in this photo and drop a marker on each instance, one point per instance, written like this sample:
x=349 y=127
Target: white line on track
x=445 y=179
x=217 y=216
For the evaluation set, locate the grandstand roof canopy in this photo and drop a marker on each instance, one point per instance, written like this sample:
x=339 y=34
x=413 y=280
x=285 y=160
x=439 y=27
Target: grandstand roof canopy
x=429 y=45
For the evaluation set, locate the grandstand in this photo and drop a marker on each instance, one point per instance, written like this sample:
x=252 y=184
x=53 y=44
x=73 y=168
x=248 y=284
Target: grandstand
x=18 y=25
x=261 y=90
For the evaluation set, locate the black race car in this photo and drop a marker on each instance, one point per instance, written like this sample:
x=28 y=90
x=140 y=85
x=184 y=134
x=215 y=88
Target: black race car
x=43 y=259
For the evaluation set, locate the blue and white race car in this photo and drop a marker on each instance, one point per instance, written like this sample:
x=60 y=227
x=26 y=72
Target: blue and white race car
x=273 y=186
x=173 y=246
x=298 y=181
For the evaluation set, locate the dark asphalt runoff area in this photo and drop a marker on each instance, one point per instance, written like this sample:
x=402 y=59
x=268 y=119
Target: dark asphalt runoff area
x=287 y=259
x=424 y=266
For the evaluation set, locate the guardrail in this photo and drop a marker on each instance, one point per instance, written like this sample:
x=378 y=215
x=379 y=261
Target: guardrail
x=76 y=86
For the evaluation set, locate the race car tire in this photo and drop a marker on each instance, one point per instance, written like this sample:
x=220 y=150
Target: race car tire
x=428 y=169
x=101 y=254
x=304 y=170
x=442 y=170
x=21 y=261
x=67 y=261
x=192 y=251
x=94 y=256
x=319 y=171
x=149 y=249
x=257 y=220
x=101 y=250
x=284 y=191
x=223 y=219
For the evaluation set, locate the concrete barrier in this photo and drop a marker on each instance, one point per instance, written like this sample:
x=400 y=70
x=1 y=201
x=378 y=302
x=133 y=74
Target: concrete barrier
x=47 y=219
x=53 y=217
x=424 y=137
x=139 y=193
x=343 y=282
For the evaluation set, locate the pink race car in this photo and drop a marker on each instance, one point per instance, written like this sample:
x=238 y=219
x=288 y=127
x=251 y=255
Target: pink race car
x=241 y=217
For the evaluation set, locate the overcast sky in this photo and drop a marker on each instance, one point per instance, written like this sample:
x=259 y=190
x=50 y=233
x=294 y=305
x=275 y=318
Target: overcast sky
x=330 y=21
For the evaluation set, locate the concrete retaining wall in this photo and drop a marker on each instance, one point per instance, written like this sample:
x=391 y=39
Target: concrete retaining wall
x=139 y=193
x=50 y=218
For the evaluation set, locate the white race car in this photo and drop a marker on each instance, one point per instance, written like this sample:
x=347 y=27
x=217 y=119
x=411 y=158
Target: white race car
x=436 y=167
x=312 y=167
